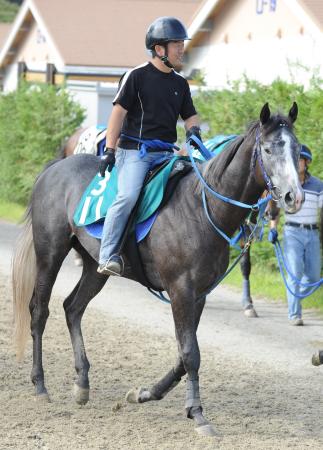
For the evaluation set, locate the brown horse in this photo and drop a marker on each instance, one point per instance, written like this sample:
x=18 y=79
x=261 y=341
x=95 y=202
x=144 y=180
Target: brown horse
x=69 y=146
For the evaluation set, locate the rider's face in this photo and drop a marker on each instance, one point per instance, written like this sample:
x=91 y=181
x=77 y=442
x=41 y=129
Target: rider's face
x=176 y=53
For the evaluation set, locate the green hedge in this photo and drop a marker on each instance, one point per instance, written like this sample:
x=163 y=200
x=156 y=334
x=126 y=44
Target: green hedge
x=34 y=122
x=229 y=111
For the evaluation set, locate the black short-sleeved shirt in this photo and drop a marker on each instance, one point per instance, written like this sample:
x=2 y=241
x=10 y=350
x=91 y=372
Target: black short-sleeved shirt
x=154 y=101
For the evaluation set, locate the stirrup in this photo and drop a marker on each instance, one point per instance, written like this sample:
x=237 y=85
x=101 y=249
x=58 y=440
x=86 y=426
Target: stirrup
x=104 y=269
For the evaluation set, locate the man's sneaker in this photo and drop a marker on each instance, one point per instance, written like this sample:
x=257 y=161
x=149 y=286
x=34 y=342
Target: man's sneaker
x=114 y=266
x=296 y=321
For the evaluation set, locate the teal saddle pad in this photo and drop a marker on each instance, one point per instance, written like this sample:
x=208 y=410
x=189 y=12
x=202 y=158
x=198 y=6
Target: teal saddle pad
x=101 y=192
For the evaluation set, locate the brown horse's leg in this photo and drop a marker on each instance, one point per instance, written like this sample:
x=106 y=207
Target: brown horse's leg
x=171 y=379
x=247 y=304
x=75 y=304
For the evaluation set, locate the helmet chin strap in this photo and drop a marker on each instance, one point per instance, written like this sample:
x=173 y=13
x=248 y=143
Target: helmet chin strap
x=164 y=58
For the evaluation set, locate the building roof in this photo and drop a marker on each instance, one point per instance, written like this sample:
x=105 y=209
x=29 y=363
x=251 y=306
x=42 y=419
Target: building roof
x=111 y=33
x=100 y=32
x=315 y=9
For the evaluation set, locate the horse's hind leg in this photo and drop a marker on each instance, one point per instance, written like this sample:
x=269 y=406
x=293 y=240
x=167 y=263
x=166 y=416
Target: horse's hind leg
x=172 y=378
x=75 y=304
x=48 y=268
x=247 y=304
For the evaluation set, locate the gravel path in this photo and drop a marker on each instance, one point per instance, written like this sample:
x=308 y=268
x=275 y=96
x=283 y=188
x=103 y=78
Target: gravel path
x=257 y=384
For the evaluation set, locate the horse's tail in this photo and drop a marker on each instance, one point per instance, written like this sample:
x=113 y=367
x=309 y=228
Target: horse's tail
x=23 y=282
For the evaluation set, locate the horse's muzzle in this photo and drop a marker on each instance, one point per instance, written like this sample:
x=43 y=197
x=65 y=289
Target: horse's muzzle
x=292 y=200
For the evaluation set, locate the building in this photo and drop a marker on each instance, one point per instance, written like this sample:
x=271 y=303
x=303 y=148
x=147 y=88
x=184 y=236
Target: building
x=263 y=39
x=87 y=45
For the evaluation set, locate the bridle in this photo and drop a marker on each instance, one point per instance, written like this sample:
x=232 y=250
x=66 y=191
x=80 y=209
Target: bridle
x=274 y=190
x=271 y=188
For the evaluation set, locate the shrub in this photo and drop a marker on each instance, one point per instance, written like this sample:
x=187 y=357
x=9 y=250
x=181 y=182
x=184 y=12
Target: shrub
x=34 y=122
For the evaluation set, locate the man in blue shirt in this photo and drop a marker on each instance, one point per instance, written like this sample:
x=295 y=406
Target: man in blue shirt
x=301 y=239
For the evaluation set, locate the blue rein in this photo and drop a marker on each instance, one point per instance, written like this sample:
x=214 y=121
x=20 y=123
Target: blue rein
x=259 y=206
x=146 y=144
x=204 y=151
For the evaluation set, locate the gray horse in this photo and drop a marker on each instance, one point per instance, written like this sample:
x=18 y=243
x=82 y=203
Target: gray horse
x=182 y=255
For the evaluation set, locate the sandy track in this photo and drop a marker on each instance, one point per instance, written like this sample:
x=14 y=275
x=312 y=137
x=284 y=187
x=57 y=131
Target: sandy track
x=253 y=405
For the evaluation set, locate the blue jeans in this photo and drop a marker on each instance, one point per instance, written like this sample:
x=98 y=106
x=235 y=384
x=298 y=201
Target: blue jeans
x=303 y=257
x=132 y=171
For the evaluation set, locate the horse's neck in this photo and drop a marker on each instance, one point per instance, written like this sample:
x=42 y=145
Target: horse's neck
x=236 y=182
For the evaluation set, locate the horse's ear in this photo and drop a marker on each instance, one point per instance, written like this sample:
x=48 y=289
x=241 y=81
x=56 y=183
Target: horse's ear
x=293 y=112
x=265 y=113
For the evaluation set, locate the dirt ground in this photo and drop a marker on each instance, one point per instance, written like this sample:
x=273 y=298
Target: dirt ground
x=253 y=406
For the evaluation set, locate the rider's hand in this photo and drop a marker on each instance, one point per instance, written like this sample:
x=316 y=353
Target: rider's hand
x=272 y=235
x=193 y=131
x=108 y=161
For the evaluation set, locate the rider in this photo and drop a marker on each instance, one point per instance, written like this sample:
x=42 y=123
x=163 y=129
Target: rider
x=149 y=100
x=301 y=238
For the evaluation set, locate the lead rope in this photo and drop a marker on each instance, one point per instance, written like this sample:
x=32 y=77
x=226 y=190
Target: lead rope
x=282 y=264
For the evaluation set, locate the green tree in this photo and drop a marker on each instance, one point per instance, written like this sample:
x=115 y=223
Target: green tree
x=229 y=111
x=8 y=10
x=34 y=122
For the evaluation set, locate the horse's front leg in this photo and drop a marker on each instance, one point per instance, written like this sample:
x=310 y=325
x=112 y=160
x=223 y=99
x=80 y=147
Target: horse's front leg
x=172 y=378
x=185 y=315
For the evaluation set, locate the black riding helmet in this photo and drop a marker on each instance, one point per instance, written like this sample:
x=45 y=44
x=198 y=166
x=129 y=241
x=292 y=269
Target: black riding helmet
x=305 y=153
x=164 y=30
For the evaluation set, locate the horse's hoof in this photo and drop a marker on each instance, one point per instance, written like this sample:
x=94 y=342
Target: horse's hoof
x=316 y=360
x=206 y=430
x=133 y=395
x=139 y=395
x=250 y=312
x=42 y=398
x=81 y=395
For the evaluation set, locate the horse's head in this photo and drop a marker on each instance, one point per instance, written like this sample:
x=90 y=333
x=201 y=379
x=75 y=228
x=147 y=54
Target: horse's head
x=277 y=150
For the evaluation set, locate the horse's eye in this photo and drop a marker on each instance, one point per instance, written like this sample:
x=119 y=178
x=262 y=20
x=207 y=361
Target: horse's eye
x=267 y=150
